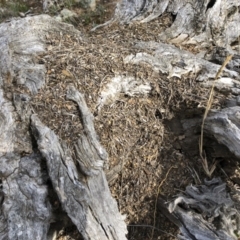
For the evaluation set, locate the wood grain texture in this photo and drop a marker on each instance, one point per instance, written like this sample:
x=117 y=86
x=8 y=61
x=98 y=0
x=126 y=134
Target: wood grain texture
x=225 y=127
x=26 y=212
x=195 y=22
x=84 y=195
x=195 y=210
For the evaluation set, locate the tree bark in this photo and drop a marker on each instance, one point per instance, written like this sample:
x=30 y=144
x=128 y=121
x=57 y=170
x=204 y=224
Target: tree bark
x=195 y=22
x=26 y=143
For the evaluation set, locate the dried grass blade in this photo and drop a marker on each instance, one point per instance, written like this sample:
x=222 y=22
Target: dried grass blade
x=208 y=107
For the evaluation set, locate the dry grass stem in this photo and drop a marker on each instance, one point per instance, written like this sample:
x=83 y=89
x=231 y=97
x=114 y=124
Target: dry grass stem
x=206 y=168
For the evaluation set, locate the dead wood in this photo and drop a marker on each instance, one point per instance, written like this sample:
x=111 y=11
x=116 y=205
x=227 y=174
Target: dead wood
x=195 y=22
x=204 y=212
x=131 y=86
x=175 y=62
x=224 y=126
x=78 y=180
x=24 y=191
x=90 y=154
x=87 y=200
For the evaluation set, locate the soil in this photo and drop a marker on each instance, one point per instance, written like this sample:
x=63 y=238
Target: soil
x=142 y=135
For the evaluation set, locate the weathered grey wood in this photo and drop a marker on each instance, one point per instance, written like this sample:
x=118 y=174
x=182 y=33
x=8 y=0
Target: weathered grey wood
x=204 y=212
x=82 y=189
x=6 y=145
x=86 y=199
x=139 y=10
x=224 y=125
x=196 y=22
x=24 y=188
x=91 y=155
x=219 y=54
x=25 y=210
x=7 y=125
x=21 y=41
x=25 y=203
x=172 y=61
